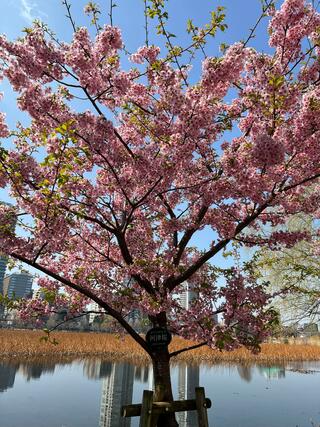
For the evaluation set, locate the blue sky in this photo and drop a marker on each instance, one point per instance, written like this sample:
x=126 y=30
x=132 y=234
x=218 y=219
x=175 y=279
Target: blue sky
x=16 y=14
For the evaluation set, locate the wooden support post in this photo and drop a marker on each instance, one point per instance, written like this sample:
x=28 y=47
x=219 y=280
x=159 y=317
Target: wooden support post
x=149 y=411
x=146 y=409
x=162 y=407
x=201 y=407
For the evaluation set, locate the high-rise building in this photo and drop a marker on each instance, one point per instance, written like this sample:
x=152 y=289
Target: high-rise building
x=18 y=285
x=187 y=296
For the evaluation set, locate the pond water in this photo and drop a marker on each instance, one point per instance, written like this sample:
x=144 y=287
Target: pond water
x=90 y=393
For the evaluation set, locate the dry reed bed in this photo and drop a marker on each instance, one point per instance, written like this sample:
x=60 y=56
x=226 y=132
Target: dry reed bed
x=20 y=344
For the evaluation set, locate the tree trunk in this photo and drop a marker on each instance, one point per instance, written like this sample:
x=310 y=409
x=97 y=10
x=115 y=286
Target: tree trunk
x=162 y=385
x=161 y=375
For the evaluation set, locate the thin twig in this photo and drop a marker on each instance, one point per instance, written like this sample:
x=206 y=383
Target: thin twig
x=69 y=16
x=146 y=23
x=72 y=318
x=112 y=5
x=264 y=10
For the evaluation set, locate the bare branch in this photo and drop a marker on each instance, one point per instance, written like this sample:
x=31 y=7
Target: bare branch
x=192 y=347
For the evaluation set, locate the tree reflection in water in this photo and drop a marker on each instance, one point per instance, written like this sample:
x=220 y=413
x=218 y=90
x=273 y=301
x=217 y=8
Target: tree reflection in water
x=7 y=376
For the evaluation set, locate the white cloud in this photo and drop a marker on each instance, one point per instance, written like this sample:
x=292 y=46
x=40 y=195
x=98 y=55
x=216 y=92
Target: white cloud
x=27 y=10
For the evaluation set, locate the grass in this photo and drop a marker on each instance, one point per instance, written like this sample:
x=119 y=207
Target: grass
x=18 y=344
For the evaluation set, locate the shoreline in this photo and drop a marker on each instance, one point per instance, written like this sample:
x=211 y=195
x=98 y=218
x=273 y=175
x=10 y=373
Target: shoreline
x=25 y=344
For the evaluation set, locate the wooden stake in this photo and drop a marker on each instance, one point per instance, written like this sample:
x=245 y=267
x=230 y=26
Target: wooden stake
x=201 y=407
x=146 y=409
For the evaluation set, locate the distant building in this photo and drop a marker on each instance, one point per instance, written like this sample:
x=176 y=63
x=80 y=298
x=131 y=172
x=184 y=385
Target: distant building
x=187 y=296
x=3 y=259
x=134 y=317
x=18 y=285
x=3 y=266
x=97 y=311
x=11 y=222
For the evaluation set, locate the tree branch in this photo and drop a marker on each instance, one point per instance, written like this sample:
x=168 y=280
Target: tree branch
x=172 y=281
x=88 y=293
x=188 y=234
x=192 y=347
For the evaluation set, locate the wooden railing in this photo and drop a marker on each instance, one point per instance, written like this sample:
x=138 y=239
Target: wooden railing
x=149 y=410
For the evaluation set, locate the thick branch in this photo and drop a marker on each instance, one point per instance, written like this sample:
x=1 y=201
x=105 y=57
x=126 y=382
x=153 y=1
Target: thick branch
x=98 y=110
x=188 y=234
x=192 y=347
x=172 y=216
x=304 y=181
x=144 y=283
x=90 y=219
x=86 y=292
x=172 y=282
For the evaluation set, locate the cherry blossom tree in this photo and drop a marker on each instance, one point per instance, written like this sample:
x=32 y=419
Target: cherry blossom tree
x=109 y=199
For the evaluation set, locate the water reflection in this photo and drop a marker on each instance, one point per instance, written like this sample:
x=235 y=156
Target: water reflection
x=7 y=376
x=95 y=369
x=245 y=372
x=143 y=374
x=291 y=401
x=188 y=380
x=117 y=388
x=36 y=369
x=272 y=372
x=29 y=371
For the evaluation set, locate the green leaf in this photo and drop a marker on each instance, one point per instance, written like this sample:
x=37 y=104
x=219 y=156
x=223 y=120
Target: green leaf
x=190 y=26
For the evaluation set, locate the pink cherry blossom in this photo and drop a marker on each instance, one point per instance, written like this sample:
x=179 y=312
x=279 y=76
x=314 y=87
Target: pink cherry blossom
x=112 y=191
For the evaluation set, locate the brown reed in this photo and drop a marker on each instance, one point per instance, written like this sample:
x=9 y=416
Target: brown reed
x=21 y=344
